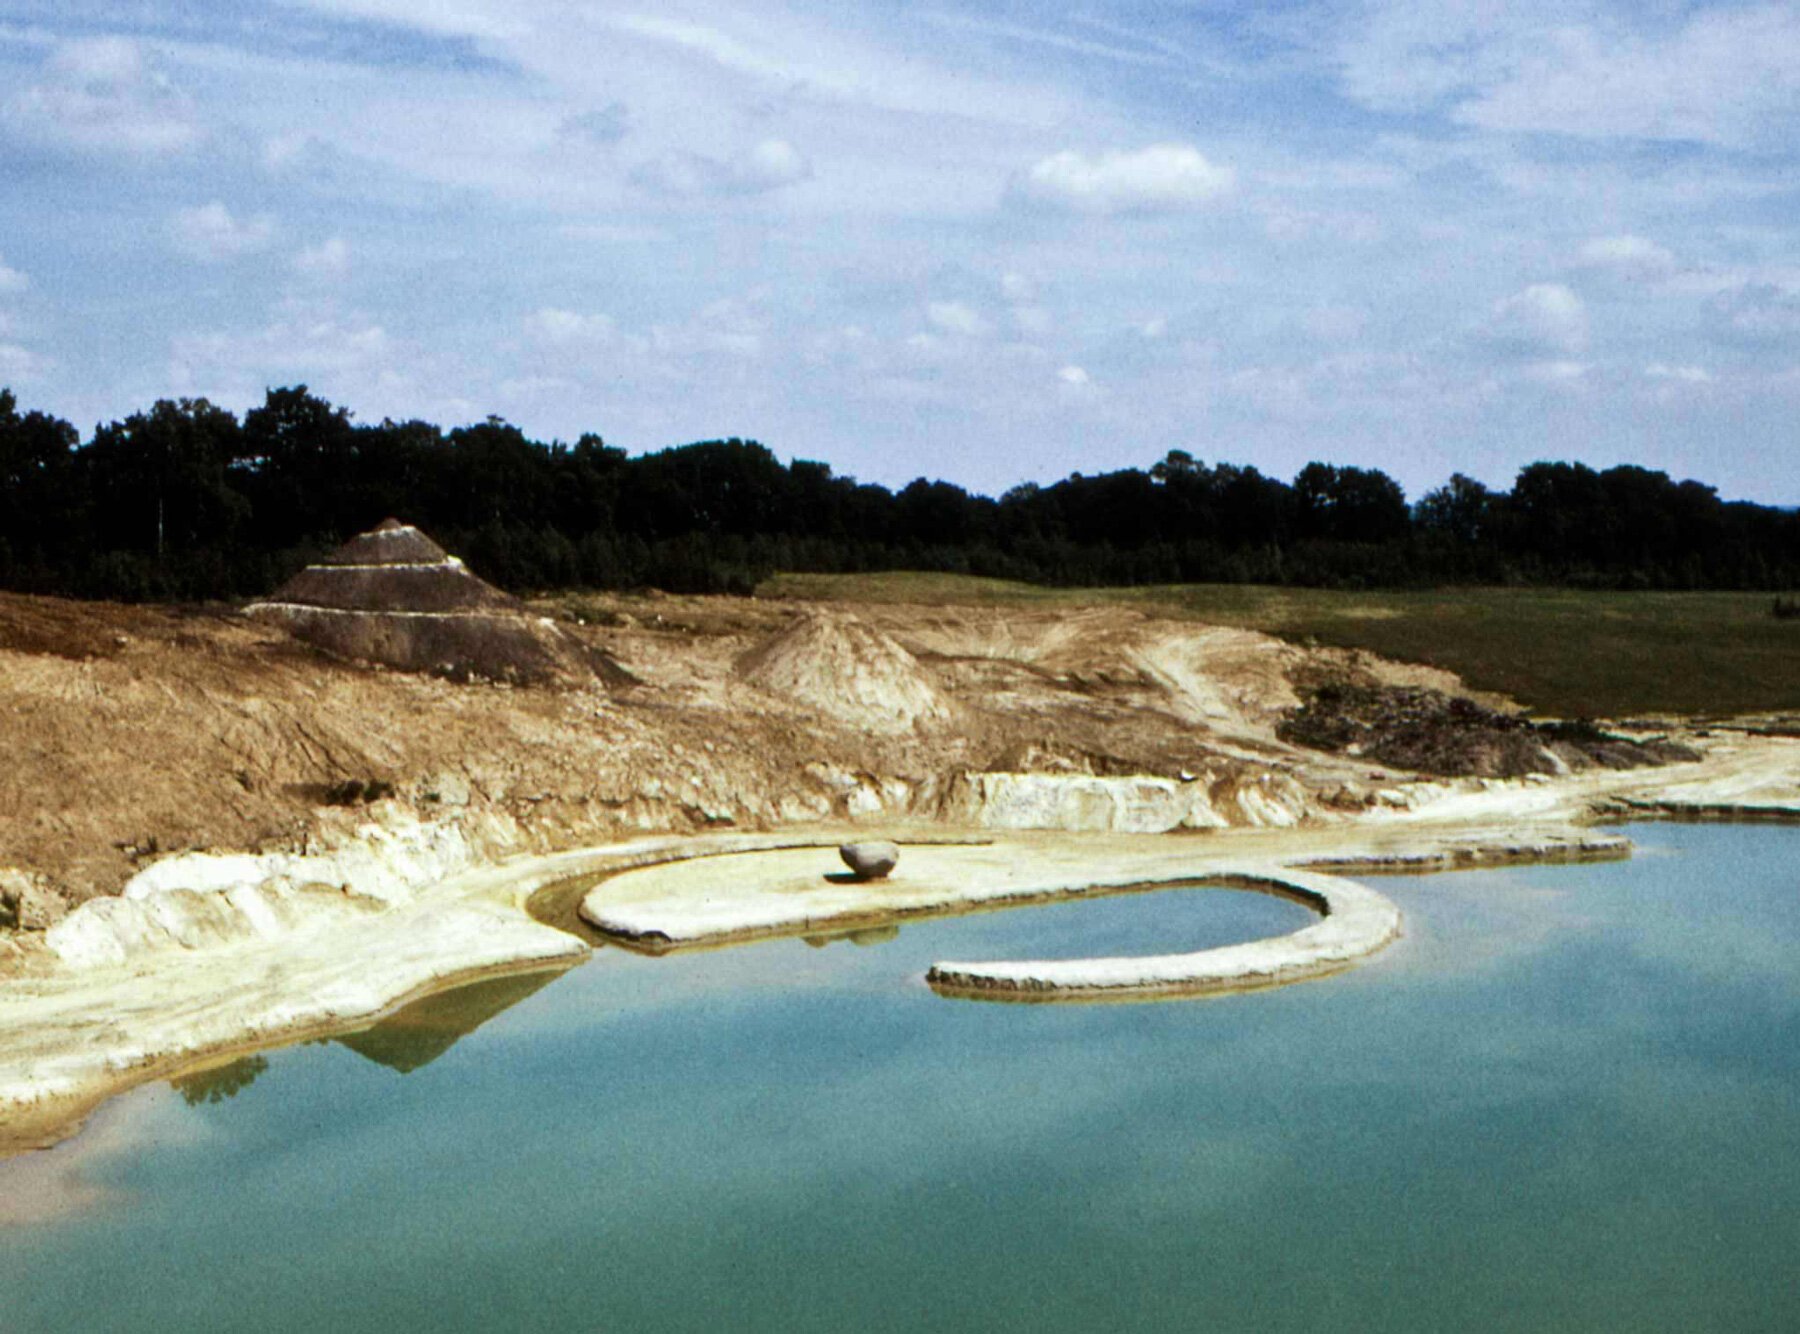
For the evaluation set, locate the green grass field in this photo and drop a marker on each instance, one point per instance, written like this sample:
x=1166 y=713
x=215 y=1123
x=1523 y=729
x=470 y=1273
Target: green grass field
x=1564 y=652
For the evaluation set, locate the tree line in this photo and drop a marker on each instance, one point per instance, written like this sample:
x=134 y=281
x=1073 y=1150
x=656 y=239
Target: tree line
x=185 y=501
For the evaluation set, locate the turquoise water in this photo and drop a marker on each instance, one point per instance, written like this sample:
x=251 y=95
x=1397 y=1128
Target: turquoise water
x=1569 y=1100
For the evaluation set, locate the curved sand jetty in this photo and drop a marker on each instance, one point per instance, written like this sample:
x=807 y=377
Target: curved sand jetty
x=783 y=893
x=1356 y=922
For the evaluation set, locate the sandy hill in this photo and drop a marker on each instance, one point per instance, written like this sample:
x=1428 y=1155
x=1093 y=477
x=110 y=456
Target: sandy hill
x=847 y=672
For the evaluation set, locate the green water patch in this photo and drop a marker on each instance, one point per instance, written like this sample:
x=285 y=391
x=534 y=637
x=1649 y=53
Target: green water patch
x=1566 y=1101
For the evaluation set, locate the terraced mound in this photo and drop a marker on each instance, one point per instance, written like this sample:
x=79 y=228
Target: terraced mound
x=393 y=596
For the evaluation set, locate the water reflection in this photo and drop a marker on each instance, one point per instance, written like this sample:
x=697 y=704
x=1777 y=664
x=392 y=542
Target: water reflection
x=867 y=935
x=220 y=1082
x=415 y=1036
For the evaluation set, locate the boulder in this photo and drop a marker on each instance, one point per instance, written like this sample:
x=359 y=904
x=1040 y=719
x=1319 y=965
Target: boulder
x=870 y=861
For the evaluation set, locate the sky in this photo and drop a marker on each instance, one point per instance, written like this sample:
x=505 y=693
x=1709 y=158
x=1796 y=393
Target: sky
x=985 y=241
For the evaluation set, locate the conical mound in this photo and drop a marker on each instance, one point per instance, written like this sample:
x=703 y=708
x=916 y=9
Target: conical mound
x=849 y=672
x=392 y=567
x=393 y=596
x=390 y=543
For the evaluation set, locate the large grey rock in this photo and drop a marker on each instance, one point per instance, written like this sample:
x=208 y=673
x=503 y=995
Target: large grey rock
x=870 y=861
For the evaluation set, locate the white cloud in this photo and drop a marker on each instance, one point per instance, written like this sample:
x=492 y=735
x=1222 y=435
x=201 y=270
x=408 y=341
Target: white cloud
x=210 y=233
x=1725 y=75
x=1017 y=287
x=1542 y=317
x=301 y=341
x=1558 y=374
x=815 y=62
x=329 y=259
x=281 y=152
x=1629 y=256
x=766 y=166
x=1073 y=375
x=563 y=328
x=772 y=164
x=20 y=363
x=736 y=328
x=103 y=94
x=1162 y=176
x=1657 y=370
x=957 y=317
x=11 y=280
x=1728 y=76
x=1759 y=311
x=1081 y=46
x=1406 y=57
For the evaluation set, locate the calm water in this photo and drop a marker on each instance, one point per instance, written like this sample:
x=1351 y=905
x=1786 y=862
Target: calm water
x=1569 y=1100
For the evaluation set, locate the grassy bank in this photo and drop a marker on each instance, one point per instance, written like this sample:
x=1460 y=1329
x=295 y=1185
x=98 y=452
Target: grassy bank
x=1564 y=652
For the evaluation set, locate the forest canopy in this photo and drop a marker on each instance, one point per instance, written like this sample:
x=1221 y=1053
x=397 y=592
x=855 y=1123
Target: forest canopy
x=186 y=502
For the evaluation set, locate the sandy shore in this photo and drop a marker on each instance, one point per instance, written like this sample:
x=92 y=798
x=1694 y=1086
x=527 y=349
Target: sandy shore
x=70 y=1037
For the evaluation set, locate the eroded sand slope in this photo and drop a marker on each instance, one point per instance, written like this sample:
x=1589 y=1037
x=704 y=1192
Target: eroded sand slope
x=134 y=732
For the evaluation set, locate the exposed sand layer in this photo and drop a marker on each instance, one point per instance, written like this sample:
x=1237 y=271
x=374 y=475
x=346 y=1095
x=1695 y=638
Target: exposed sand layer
x=134 y=732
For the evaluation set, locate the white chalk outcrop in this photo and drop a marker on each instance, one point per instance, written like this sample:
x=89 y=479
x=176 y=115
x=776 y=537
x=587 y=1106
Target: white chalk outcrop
x=1085 y=803
x=194 y=900
x=162 y=1010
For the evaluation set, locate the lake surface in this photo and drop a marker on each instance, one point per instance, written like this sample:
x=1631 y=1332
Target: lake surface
x=1568 y=1100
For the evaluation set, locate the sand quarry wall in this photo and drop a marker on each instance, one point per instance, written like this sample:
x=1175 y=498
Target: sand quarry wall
x=133 y=734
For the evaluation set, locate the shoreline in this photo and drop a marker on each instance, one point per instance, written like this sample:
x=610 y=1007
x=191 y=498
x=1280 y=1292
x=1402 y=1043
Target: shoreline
x=73 y=1038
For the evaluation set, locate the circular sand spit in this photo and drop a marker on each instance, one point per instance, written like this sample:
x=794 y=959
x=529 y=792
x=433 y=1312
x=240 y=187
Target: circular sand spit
x=745 y=896
x=1354 y=922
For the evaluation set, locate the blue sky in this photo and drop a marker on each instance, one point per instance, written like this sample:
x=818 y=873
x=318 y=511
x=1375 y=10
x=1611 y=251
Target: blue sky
x=984 y=241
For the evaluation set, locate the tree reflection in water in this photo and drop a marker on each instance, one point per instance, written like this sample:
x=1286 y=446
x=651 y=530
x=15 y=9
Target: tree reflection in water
x=417 y=1034
x=220 y=1082
x=407 y=1040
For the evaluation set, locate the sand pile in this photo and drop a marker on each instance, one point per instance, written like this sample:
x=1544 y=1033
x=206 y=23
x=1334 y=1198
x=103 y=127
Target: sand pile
x=393 y=596
x=848 y=672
